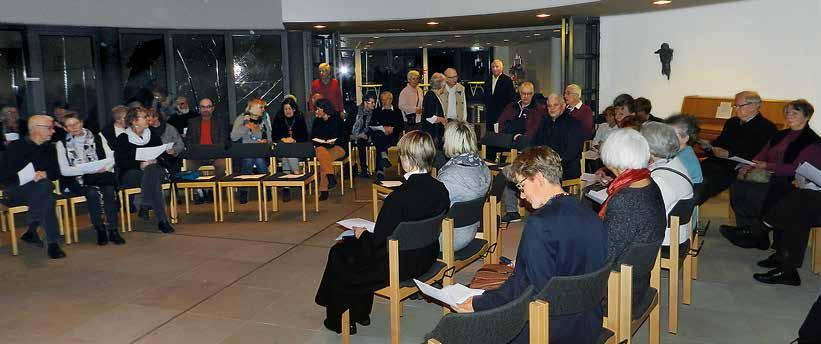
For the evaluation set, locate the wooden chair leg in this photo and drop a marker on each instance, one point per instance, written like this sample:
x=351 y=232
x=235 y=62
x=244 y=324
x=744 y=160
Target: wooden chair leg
x=687 y=279
x=304 y=210
x=342 y=179
x=185 y=192
x=375 y=198
x=13 y=233
x=127 y=212
x=259 y=201
x=214 y=204
x=59 y=215
x=539 y=325
x=218 y=201
x=396 y=313
x=122 y=213
x=654 y=325
x=265 y=202
x=815 y=263
x=672 y=279
x=70 y=230
x=73 y=216
x=346 y=327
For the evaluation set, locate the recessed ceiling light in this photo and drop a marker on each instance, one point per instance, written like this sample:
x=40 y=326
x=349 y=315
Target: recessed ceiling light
x=557 y=30
x=458 y=36
x=661 y=2
x=537 y=34
x=375 y=37
x=428 y=44
x=528 y=36
x=420 y=47
x=396 y=29
x=542 y=15
x=440 y=41
x=506 y=40
x=370 y=42
x=488 y=43
x=319 y=26
x=432 y=22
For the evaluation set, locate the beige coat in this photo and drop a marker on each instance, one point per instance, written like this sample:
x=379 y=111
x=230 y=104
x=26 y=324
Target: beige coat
x=461 y=102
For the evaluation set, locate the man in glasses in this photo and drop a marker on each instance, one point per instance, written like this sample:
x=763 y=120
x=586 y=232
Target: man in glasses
x=743 y=136
x=208 y=129
x=32 y=185
x=452 y=96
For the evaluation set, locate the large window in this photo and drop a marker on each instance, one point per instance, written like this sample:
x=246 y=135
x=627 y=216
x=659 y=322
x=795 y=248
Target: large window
x=199 y=69
x=143 y=66
x=69 y=74
x=12 y=81
x=257 y=64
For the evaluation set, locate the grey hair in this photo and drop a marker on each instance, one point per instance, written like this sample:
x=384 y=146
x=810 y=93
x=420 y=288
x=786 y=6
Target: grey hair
x=576 y=89
x=662 y=139
x=437 y=81
x=625 y=149
x=686 y=125
x=459 y=139
x=750 y=97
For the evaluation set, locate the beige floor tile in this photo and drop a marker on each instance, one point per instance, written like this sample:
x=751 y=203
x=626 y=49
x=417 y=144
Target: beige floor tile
x=193 y=329
x=238 y=302
x=122 y=324
x=295 y=310
x=177 y=295
x=251 y=333
x=222 y=271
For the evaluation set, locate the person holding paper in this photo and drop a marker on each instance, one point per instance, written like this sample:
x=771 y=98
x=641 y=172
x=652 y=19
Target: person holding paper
x=410 y=99
x=392 y=123
x=328 y=136
x=253 y=126
x=148 y=174
x=433 y=112
x=361 y=132
x=28 y=168
x=98 y=184
x=751 y=197
x=289 y=126
x=551 y=245
x=743 y=136
x=359 y=266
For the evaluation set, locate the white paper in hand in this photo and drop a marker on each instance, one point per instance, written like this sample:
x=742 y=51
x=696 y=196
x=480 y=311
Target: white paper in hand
x=741 y=160
x=151 y=153
x=12 y=136
x=26 y=174
x=599 y=196
x=391 y=183
x=377 y=128
x=357 y=222
x=452 y=295
x=91 y=167
x=810 y=172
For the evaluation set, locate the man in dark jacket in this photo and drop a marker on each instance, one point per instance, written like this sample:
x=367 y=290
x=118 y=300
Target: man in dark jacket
x=392 y=122
x=181 y=114
x=564 y=134
x=207 y=129
x=29 y=166
x=499 y=92
x=743 y=136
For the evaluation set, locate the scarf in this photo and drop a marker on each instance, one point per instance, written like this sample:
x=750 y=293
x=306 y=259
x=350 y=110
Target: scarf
x=136 y=139
x=622 y=181
x=81 y=149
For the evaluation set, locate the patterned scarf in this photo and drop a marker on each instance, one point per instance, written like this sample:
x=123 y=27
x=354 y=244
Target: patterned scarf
x=81 y=149
x=622 y=181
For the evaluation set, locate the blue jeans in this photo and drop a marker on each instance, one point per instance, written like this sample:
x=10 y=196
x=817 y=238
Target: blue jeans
x=248 y=165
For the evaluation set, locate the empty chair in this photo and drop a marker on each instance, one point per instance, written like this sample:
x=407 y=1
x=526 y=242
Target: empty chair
x=644 y=283
x=494 y=143
x=198 y=153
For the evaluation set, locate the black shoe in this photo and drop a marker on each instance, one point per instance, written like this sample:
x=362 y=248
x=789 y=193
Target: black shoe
x=773 y=261
x=286 y=195
x=386 y=163
x=365 y=174
x=102 y=236
x=511 y=217
x=243 y=197
x=198 y=199
x=31 y=237
x=165 y=227
x=114 y=236
x=323 y=195
x=745 y=238
x=143 y=213
x=331 y=181
x=380 y=176
x=364 y=322
x=55 y=252
x=337 y=327
x=779 y=276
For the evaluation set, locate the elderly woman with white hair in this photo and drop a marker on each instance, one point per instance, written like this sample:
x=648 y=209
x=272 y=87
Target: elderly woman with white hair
x=410 y=98
x=465 y=175
x=433 y=118
x=667 y=170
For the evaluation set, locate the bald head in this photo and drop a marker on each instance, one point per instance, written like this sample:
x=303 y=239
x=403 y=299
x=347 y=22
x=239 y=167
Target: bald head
x=41 y=127
x=555 y=105
x=497 y=67
x=452 y=77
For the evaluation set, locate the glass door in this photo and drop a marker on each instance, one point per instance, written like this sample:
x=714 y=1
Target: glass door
x=580 y=57
x=70 y=75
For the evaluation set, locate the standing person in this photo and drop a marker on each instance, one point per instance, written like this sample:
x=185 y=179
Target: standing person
x=329 y=138
x=453 y=97
x=34 y=191
x=289 y=126
x=393 y=123
x=328 y=87
x=410 y=99
x=361 y=132
x=433 y=109
x=81 y=146
x=180 y=115
x=579 y=110
x=253 y=126
x=499 y=92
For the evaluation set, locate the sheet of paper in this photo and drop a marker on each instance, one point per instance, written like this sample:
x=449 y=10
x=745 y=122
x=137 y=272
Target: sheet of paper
x=12 y=136
x=590 y=155
x=724 y=110
x=205 y=177
x=451 y=295
x=599 y=196
x=91 y=167
x=377 y=128
x=357 y=222
x=432 y=119
x=495 y=127
x=488 y=163
x=151 y=153
x=347 y=233
x=391 y=183
x=290 y=176
x=324 y=141
x=26 y=174
x=250 y=176
x=810 y=172
x=741 y=160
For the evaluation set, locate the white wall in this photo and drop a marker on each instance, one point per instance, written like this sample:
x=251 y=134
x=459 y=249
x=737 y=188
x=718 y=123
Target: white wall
x=366 y=10
x=771 y=46
x=177 y=14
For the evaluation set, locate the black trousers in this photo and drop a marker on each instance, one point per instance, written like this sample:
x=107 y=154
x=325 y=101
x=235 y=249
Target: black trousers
x=150 y=181
x=100 y=200
x=38 y=196
x=751 y=200
x=718 y=174
x=792 y=218
x=337 y=289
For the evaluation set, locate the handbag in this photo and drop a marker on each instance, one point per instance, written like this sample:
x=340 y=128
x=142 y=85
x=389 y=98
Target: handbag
x=756 y=175
x=491 y=276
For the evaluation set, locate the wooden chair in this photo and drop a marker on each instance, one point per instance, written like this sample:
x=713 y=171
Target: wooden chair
x=575 y=186
x=208 y=180
x=464 y=214
x=675 y=260
x=409 y=235
x=500 y=141
x=231 y=180
x=346 y=159
x=305 y=152
x=815 y=239
x=125 y=205
x=639 y=259
x=9 y=210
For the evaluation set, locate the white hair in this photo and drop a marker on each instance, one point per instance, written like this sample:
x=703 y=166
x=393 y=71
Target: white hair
x=576 y=89
x=625 y=149
x=662 y=139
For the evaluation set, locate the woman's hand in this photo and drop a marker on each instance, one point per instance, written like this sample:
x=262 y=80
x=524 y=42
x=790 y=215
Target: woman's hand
x=760 y=164
x=742 y=172
x=358 y=231
x=465 y=307
x=145 y=164
x=287 y=140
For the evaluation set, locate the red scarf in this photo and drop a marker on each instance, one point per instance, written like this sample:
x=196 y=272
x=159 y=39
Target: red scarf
x=622 y=181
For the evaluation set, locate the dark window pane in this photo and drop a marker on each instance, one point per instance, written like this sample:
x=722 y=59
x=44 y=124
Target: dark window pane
x=199 y=68
x=12 y=84
x=257 y=69
x=441 y=59
x=68 y=73
x=143 y=65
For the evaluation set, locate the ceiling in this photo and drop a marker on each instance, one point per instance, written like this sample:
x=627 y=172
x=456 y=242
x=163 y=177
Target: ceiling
x=460 y=39
x=500 y=20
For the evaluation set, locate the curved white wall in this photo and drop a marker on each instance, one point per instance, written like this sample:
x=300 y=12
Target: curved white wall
x=370 y=10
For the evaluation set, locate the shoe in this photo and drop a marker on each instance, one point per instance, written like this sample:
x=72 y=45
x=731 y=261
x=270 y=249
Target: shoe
x=364 y=322
x=114 y=236
x=55 y=252
x=337 y=327
x=31 y=237
x=165 y=227
x=323 y=195
x=243 y=197
x=143 y=213
x=365 y=174
x=511 y=217
x=102 y=236
x=743 y=237
x=779 y=276
x=773 y=261
x=131 y=207
x=286 y=195
x=380 y=176
x=331 y=181
x=386 y=163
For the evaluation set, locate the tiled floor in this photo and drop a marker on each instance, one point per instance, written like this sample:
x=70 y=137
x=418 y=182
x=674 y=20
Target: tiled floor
x=243 y=281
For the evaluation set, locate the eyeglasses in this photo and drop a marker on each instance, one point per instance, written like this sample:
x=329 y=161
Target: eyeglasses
x=736 y=106
x=49 y=127
x=207 y=106
x=526 y=93
x=521 y=184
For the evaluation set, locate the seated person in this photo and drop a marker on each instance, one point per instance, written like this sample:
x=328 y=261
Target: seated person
x=751 y=197
x=393 y=123
x=605 y=128
x=432 y=108
x=11 y=123
x=206 y=129
x=147 y=175
x=253 y=126
x=168 y=134
x=117 y=126
x=522 y=119
x=181 y=114
x=289 y=126
x=564 y=134
x=687 y=130
x=359 y=266
x=551 y=245
x=743 y=136
x=360 y=133
x=626 y=109
x=36 y=193
x=644 y=110
x=669 y=173
x=328 y=136
x=465 y=175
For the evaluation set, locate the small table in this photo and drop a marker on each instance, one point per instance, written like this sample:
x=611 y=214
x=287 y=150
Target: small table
x=377 y=189
x=475 y=85
x=374 y=87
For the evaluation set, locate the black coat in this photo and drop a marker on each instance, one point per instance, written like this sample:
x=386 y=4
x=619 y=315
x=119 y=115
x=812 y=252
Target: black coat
x=333 y=128
x=180 y=121
x=279 y=128
x=20 y=153
x=125 y=151
x=496 y=101
x=432 y=106
x=389 y=117
x=745 y=140
x=565 y=136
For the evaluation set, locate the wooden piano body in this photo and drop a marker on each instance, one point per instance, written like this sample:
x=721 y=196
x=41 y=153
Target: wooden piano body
x=704 y=108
